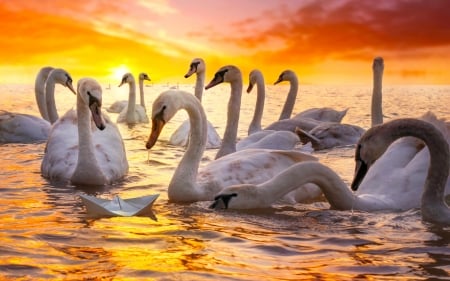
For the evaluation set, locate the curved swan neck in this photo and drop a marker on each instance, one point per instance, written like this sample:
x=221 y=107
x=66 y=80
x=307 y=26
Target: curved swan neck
x=199 y=84
x=434 y=207
x=87 y=170
x=335 y=190
x=141 y=92
x=39 y=91
x=290 y=99
x=131 y=102
x=183 y=186
x=50 y=99
x=255 y=125
x=234 y=106
x=377 y=97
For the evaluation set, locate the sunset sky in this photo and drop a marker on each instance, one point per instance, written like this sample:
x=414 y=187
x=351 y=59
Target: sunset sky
x=325 y=42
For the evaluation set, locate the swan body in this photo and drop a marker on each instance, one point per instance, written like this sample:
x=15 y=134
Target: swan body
x=133 y=113
x=189 y=183
x=258 y=138
x=119 y=105
x=25 y=128
x=329 y=135
x=181 y=135
x=84 y=146
x=382 y=196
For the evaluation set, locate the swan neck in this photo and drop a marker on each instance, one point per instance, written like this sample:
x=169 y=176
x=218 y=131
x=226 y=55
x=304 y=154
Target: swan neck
x=87 y=170
x=377 y=98
x=141 y=92
x=234 y=106
x=199 y=84
x=255 y=125
x=290 y=99
x=50 y=100
x=39 y=91
x=183 y=186
x=334 y=188
x=131 y=103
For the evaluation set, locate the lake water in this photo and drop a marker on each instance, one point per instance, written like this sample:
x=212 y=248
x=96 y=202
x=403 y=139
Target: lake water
x=46 y=234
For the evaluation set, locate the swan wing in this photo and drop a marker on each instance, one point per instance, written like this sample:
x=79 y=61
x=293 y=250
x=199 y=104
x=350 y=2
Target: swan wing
x=117 y=106
x=61 y=151
x=22 y=128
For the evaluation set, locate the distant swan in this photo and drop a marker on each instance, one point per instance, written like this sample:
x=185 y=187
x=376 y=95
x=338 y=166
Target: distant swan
x=181 y=135
x=84 y=146
x=189 y=183
x=25 y=128
x=118 y=106
x=325 y=114
x=330 y=135
x=133 y=113
x=383 y=196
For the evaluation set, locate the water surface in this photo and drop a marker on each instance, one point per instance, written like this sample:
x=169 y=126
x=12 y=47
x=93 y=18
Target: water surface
x=46 y=234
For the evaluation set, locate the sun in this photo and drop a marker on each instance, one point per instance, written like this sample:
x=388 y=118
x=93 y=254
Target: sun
x=118 y=71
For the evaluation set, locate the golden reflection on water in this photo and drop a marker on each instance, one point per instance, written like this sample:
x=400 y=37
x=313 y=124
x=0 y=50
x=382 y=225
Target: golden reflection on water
x=45 y=233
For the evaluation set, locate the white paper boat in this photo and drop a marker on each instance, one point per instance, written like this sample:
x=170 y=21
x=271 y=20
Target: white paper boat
x=139 y=206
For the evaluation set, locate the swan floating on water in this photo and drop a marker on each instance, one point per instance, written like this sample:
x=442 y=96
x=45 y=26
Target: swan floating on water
x=118 y=106
x=427 y=190
x=190 y=183
x=84 y=146
x=257 y=137
x=181 y=135
x=26 y=128
x=133 y=113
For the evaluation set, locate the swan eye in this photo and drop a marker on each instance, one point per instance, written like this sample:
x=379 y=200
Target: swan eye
x=194 y=65
x=69 y=79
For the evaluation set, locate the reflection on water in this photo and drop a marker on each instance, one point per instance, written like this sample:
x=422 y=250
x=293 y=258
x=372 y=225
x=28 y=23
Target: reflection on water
x=45 y=233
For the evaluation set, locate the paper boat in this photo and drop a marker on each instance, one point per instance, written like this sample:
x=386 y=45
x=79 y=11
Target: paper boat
x=139 y=206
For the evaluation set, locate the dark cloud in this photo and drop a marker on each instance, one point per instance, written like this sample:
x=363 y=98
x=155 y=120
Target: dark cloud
x=345 y=29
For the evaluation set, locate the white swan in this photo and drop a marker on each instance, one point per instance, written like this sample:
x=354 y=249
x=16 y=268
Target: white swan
x=429 y=193
x=325 y=114
x=133 y=113
x=258 y=138
x=84 y=146
x=330 y=135
x=181 y=135
x=25 y=128
x=119 y=105
x=189 y=183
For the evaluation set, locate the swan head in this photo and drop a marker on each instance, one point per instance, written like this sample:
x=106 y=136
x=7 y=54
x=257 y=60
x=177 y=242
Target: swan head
x=164 y=108
x=369 y=148
x=286 y=75
x=62 y=77
x=228 y=73
x=90 y=93
x=253 y=78
x=241 y=196
x=127 y=78
x=143 y=76
x=197 y=66
x=378 y=64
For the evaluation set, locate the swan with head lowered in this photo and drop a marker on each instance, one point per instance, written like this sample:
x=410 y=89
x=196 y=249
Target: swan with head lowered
x=133 y=113
x=190 y=183
x=330 y=135
x=425 y=190
x=84 y=146
x=25 y=128
x=181 y=135
x=119 y=105
x=258 y=138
